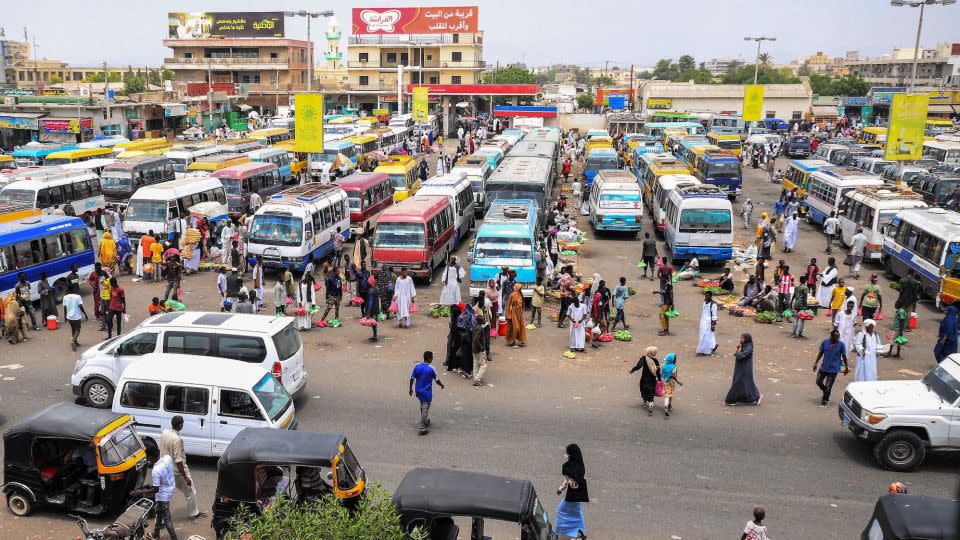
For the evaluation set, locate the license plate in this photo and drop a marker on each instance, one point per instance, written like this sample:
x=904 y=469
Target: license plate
x=845 y=421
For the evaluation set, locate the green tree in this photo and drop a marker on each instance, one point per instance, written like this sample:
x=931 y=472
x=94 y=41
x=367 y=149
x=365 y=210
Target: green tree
x=697 y=75
x=167 y=74
x=665 y=70
x=98 y=77
x=686 y=63
x=134 y=85
x=581 y=75
x=546 y=77
x=510 y=75
x=55 y=79
x=846 y=85
x=603 y=80
x=766 y=60
x=585 y=101
x=744 y=75
x=374 y=518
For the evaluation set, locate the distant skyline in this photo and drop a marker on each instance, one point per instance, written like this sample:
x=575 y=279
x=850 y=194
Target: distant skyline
x=536 y=33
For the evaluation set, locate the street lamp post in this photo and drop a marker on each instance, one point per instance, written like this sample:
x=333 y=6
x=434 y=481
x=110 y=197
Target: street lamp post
x=400 y=68
x=309 y=15
x=756 y=63
x=916 y=47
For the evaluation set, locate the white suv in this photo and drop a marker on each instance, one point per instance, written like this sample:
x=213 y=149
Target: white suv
x=903 y=419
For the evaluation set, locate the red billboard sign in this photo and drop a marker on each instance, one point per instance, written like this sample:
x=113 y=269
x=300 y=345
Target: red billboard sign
x=406 y=20
x=479 y=89
x=195 y=89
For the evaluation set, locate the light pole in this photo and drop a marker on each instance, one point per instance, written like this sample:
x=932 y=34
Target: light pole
x=916 y=47
x=400 y=68
x=756 y=63
x=309 y=15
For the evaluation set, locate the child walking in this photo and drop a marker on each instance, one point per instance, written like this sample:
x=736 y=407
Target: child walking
x=620 y=295
x=755 y=530
x=536 y=303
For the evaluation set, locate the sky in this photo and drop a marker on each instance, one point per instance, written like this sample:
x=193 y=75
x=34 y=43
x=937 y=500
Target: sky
x=536 y=32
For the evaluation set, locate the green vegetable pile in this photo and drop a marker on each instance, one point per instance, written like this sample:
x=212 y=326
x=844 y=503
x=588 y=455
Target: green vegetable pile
x=622 y=335
x=895 y=285
x=901 y=340
x=631 y=291
x=335 y=323
x=765 y=317
x=716 y=291
x=568 y=253
x=439 y=312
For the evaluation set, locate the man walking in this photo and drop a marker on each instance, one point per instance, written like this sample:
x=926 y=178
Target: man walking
x=171 y=444
x=834 y=355
x=72 y=309
x=163 y=485
x=173 y=276
x=649 y=254
x=424 y=375
x=857 y=245
x=830 y=229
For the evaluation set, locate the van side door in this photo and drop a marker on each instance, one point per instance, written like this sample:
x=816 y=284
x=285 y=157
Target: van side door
x=193 y=404
x=142 y=400
x=234 y=410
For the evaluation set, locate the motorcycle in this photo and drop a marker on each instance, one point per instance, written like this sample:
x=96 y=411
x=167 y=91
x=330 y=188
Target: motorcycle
x=130 y=525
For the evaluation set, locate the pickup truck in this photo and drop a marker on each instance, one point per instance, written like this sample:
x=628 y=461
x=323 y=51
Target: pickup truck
x=904 y=419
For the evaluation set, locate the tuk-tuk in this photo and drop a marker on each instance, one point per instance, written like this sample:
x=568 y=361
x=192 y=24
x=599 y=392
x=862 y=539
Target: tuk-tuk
x=431 y=498
x=73 y=457
x=262 y=464
x=912 y=517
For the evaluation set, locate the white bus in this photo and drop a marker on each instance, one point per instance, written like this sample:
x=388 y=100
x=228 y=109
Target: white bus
x=456 y=187
x=834 y=153
x=50 y=189
x=152 y=206
x=873 y=209
x=872 y=165
x=699 y=224
x=616 y=203
x=477 y=169
x=946 y=152
x=926 y=240
x=298 y=225
x=183 y=155
x=95 y=166
x=666 y=184
x=827 y=185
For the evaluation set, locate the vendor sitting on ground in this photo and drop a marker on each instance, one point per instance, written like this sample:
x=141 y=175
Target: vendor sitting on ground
x=689 y=270
x=767 y=301
x=726 y=280
x=751 y=290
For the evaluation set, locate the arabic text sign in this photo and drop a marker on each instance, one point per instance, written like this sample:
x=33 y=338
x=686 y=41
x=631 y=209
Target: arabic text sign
x=405 y=20
x=66 y=125
x=309 y=120
x=908 y=120
x=234 y=24
x=16 y=122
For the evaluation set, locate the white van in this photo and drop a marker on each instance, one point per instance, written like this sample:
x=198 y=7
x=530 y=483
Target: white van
x=616 y=203
x=873 y=209
x=217 y=399
x=269 y=342
x=661 y=193
x=50 y=189
x=478 y=170
x=152 y=206
x=456 y=187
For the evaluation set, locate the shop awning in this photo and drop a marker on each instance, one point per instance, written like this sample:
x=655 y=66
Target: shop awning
x=941 y=108
x=22 y=114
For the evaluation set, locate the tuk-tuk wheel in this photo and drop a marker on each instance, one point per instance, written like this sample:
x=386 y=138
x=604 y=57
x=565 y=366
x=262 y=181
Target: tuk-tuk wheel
x=19 y=503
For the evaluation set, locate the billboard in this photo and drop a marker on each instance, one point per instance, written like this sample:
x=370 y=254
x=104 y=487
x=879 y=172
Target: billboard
x=225 y=24
x=408 y=20
x=65 y=125
x=752 y=103
x=17 y=122
x=908 y=120
x=659 y=103
x=308 y=117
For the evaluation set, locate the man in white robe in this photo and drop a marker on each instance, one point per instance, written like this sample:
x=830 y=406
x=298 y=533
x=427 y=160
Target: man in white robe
x=405 y=295
x=708 y=326
x=452 y=277
x=828 y=280
x=790 y=232
x=226 y=242
x=845 y=321
x=578 y=321
x=868 y=346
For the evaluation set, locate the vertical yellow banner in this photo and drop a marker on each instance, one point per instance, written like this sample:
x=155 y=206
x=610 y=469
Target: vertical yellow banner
x=421 y=104
x=309 y=122
x=752 y=103
x=908 y=121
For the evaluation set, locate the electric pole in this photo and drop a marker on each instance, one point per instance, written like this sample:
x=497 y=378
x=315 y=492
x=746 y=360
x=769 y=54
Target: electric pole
x=630 y=93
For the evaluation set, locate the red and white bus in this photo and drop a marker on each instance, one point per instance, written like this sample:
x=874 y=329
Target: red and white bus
x=368 y=195
x=239 y=181
x=416 y=234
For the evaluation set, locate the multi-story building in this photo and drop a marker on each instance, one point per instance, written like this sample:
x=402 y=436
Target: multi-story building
x=935 y=67
x=722 y=66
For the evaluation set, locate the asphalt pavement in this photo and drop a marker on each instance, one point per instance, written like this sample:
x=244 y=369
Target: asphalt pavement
x=697 y=474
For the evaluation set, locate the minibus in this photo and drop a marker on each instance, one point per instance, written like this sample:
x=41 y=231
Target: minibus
x=873 y=209
x=7 y=164
x=666 y=184
x=44 y=244
x=683 y=144
x=270 y=136
x=615 y=202
x=522 y=178
x=298 y=225
x=34 y=154
x=270 y=342
x=402 y=171
x=456 y=187
x=103 y=142
x=925 y=240
x=937 y=126
x=279 y=157
x=947 y=152
x=240 y=146
x=218 y=398
x=935 y=188
x=798 y=174
x=239 y=181
x=827 y=185
x=653 y=166
x=122 y=179
x=338 y=159
x=80 y=154
x=493 y=154
x=870 y=164
x=695 y=153
x=141 y=145
x=597 y=159
x=655 y=129
x=158 y=151
x=298 y=160
x=95 y=166
x=416 y=234
x=507 y=237
x=368 y=195
x=834 y=153
x=699 y=224
x=726 y=141
x=478 y=170
x=205 y=165
x=181 y=156
x=151 y=207
x=721 y=169
x=50 y=189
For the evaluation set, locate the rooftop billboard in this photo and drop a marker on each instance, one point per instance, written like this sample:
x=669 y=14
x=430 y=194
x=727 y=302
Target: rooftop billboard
x=221 y=24
x=407 y=20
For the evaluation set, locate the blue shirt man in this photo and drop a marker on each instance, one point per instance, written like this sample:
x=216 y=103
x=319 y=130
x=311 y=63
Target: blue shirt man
x=163 y=486
x=779 y=207
x=423 y=376
x=834 y=355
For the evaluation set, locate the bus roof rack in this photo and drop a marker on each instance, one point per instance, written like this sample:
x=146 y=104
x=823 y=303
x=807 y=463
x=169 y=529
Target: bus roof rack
x=509 y=210
x=702 y=190
x=889 y=192
x=305 y=193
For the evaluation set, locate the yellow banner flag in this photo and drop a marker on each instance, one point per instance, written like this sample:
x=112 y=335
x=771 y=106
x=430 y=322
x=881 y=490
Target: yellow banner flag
x=752 y=103
x=421 y=104
x=309 y=121
x=908 y=121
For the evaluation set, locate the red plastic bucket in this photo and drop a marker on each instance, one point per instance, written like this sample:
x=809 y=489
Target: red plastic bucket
x=51 y=323
x=502 y=326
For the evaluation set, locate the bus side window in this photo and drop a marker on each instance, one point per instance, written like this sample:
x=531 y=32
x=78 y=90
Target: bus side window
x=81 y=190
x=95 y=187
x=317 y=222
x=56 y=195
x=220 y=196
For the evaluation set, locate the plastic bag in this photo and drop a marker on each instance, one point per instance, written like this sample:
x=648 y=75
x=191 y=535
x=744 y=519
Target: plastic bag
x=531 y=326
x=493 y=333
x=393 y=306
x=569 y=354
x=901 y=340
x=658 y=391
x=878 y=316
x=671 y=314
x=605 y=337
x=335 y=323
x=413 y=307
x=787 y=313
x=641 y=264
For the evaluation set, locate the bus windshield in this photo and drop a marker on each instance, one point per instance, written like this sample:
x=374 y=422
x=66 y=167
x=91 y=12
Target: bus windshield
x=327 y=156
x=399 y=235
x=604 y=162
x=56 y=161
x=21 y=196
x=729 y=144
x=116 y=180
x=276 y=230
x=144 y=210
x=353 y=200
x=504 y=251
x=705 y=220
x=619 y=199
x=398 y=181
x=8 y=165
x=731 y=168
x=179 y=164
x=231 y=186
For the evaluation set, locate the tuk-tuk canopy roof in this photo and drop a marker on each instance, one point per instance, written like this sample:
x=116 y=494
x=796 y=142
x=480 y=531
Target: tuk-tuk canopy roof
x=914 y=516
x=272 y=446
x=64 y=420
x=430 y=493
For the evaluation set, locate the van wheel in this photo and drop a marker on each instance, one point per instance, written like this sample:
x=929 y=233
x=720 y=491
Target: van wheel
x=19 y=503
x=900 y=450
x=98 y=393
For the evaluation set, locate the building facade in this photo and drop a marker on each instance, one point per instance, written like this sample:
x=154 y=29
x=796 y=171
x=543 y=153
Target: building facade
x=784 y=101
x=262 y=64
x=935 y=67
